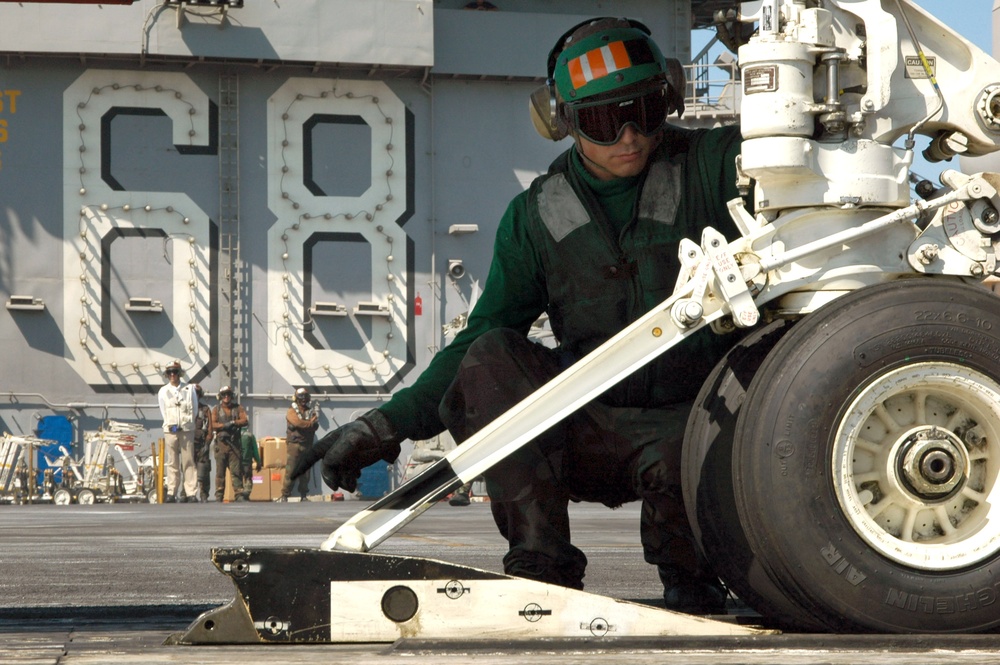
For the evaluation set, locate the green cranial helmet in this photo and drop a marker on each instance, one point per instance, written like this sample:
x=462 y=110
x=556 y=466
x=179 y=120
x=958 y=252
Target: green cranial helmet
x=605 y=55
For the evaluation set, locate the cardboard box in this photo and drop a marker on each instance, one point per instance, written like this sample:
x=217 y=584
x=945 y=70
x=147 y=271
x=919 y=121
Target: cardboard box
x=261 y=490
x=273 y=451
x=276 y=477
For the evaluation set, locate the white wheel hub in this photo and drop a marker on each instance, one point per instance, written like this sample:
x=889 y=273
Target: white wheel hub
x=915 y=465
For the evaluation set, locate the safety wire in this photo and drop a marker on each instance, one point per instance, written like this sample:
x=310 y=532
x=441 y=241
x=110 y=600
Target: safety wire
x=910 y=142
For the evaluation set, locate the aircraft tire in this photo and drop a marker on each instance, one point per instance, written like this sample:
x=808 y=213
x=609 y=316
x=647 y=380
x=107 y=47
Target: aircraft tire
x=708 y=481
x=866 y=460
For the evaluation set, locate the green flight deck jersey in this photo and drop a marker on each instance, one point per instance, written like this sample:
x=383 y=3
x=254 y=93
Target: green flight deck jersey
x=597 y=255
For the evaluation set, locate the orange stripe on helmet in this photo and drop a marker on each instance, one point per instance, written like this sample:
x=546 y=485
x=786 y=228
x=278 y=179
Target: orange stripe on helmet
x=598 y=63
x=620 y=55
x=576 y=75
x=598 y=68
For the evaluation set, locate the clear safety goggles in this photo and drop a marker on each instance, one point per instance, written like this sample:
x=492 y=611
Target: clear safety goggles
x=603 y=122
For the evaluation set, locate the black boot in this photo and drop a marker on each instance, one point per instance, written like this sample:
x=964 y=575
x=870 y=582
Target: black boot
x=460 y=497
x=691 y=595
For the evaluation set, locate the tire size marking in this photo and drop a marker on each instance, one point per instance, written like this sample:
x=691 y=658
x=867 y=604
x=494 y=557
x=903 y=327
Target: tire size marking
x=949 y=316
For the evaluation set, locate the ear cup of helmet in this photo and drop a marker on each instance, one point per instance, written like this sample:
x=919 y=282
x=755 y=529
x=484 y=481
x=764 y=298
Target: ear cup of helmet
x=545 y=116
x=676 y=85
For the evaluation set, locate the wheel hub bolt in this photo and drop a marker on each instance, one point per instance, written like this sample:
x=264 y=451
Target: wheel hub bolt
x=937 y=466
x=933 y=463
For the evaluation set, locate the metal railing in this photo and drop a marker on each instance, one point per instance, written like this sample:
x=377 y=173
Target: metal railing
x=713 y=87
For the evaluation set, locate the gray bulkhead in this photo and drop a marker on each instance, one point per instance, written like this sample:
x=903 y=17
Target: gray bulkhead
x=273 y=195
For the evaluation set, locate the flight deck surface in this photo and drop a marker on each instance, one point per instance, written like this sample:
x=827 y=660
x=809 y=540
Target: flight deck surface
x=111 y=584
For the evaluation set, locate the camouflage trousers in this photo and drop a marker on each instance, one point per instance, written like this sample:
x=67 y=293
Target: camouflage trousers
x=599 y=454
x=228 y=457
x=293 y=450
x=203 y=464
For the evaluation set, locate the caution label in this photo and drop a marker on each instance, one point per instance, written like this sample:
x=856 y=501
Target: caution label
x=915 y=70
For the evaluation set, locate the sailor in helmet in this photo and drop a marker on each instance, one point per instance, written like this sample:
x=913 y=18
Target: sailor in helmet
x=228 y=420
x=593 y=243
x=302 y=420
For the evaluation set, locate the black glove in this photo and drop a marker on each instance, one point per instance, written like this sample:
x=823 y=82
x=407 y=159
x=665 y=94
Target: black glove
x=350 y=448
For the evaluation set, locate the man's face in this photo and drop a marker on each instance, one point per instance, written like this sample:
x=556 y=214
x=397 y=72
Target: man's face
x=227 y=398
x=616 y=137
x=173 y=376
x=627 y=157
